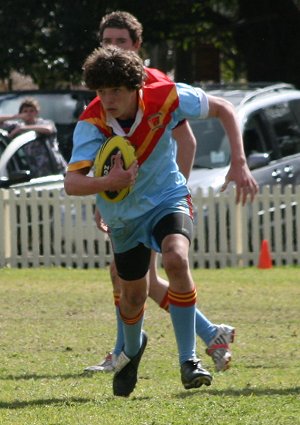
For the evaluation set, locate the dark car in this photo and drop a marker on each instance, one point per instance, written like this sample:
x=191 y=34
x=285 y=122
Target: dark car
x=61 y=106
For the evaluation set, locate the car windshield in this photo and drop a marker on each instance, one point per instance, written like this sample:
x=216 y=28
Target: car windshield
x=3 y=144
x=62 y=108
x=40 y=156
x=213 y=150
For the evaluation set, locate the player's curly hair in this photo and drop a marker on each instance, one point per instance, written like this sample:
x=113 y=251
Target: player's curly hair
x=113 y=67
x=122 y=20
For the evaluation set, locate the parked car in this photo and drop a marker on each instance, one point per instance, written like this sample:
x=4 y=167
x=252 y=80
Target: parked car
x=32 y=164
x=269 y=119
x=61 y=106
x=30 y=159
x=270 y=122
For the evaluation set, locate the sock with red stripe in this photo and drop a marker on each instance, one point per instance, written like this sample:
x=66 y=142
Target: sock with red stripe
x=120 y=337
x=132 y=331
x=182 y=310
x=164 y=304
x=205 y=329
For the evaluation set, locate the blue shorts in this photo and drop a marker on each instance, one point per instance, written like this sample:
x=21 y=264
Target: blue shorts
x=133 y=263
x=140 y=231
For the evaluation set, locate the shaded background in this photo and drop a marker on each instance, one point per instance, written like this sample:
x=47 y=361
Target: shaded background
x=192 y=40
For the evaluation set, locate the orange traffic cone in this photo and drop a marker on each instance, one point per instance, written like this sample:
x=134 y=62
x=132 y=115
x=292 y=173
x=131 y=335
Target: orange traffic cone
x=265 y=260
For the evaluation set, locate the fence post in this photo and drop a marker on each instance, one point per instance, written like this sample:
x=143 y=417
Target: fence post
x=239 y=234
x=236 y=234
x=6 y=225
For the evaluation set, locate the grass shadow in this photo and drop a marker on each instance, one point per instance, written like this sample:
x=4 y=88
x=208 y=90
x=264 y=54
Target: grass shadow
x=43 y=402
x=245 y=392
x=27 y=377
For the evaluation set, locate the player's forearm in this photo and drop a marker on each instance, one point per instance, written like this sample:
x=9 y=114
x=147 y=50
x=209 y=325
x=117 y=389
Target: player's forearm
x=4 y=118
x=79 y=184
x=82 y=185
x=236 y=143
x=225 y=112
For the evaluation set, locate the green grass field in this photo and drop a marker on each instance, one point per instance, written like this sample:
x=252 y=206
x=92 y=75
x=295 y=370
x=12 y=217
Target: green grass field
x=54 y=322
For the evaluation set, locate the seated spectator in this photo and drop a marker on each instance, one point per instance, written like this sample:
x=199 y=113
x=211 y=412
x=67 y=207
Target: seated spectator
x=27 y=119
x=34 y=154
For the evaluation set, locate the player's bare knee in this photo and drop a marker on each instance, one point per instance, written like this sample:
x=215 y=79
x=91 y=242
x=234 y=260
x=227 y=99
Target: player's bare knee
x=175 y=262
x=135 y=300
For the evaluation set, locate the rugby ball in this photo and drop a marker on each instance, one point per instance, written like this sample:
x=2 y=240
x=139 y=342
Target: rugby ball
x=104 y=161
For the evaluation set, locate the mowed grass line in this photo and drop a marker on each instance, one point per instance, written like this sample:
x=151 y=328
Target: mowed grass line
x=54 y=322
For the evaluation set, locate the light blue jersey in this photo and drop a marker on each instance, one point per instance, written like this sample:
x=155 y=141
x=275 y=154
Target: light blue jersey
x=159 y=180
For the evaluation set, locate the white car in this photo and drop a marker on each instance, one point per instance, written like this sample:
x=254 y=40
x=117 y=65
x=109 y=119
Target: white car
x=63 y=107
x=30 y=160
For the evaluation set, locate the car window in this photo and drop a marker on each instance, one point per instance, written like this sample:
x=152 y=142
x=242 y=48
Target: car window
x=212 y=144
x=62 y=108
x=9 y=106
x=295 y=108
x=33 y=156
x=2 y=146
x=255 y=136
x=285 y=126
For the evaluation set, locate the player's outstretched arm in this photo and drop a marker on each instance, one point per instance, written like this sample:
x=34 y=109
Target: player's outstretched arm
x=239 y=172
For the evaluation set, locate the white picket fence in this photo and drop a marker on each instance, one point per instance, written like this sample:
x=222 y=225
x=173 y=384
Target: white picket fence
x=42 y=228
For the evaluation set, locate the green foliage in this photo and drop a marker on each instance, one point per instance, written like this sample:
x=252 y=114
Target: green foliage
x=54 y=322
x=49 y=40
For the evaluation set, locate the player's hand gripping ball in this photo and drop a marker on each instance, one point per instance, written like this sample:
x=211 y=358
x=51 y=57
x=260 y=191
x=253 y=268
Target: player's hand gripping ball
x=104 y=161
